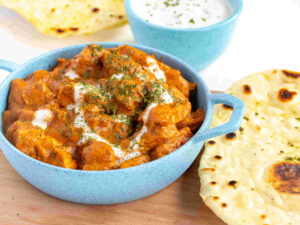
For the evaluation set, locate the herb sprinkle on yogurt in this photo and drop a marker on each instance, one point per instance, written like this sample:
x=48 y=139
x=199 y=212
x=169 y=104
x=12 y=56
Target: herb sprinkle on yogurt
x=183 y=13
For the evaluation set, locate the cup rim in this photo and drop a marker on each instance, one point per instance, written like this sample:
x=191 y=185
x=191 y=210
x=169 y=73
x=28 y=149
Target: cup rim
x=236 y=13
x=199 y=80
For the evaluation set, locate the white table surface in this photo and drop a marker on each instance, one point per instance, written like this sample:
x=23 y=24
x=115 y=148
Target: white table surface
x=267 y=37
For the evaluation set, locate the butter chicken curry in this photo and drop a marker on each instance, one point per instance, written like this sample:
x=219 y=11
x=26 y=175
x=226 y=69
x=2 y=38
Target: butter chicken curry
x=103 y=109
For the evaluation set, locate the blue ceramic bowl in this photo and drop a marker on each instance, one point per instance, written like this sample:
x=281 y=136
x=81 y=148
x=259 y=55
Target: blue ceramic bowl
x=123 y=185
x=198 y=47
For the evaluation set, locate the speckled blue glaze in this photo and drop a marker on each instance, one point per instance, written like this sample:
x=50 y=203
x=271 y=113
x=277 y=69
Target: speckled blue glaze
x=114 y=186
x=198 y=47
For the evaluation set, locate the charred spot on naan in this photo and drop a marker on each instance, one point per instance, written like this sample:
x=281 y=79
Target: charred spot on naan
x=216 y=198
x=95 y=10
x=224 y=205
x=291 y=74
x=232 y=183
x=73 y=28
x=211 y=142
x=285 y=177
x=208 y=169
x=230 y=136
x=285 y=95
x=263 y=216
x=227 y=107
x=59 y=30
x=217 y=157
x=247 y=89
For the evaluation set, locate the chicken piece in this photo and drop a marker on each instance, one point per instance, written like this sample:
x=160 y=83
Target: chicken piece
x=87 y=64
x=94 y=116
x=25 y=137
x=39 y=75
x=23 y=93
x=60 y=68
x=127 y=95
x=172 y=144
x=52 y=152
x=62 y=127
x=135 y=161
x=98 y=156
x=169 y=113
x=156 y=135
x=137 y=55
x=96 y=96
x=111 y=127
x=15 y=98
x=194 y=120
x=57 y=77
x=174 y=78
x=8 y=118
x=12 y=115
x=26 y=115
x=34 y=143
x=37 y=94
x=137 y=62
x=65 y=96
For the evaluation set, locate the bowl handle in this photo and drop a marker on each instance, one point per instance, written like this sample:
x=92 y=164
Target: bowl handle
x=8 y=65
x=236 y=117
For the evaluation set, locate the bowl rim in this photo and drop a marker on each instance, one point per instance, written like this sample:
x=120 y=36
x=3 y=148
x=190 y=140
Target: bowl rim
x=199 y=80
x=236 y=13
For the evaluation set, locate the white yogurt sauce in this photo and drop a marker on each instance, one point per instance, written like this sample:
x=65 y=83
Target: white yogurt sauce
x=182 y=13
x=41 y=118
x=154 y=68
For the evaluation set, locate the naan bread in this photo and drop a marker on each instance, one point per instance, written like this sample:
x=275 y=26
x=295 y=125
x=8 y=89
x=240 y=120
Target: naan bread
x=69 y=17
x=252 y=176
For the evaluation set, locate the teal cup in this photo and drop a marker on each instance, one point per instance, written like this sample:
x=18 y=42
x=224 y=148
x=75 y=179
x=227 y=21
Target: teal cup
x=199 y=47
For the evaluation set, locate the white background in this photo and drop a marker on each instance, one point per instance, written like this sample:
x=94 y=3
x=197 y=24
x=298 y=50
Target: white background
x=267 y=37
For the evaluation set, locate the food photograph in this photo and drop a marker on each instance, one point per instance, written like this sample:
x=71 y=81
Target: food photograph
x=155 y=112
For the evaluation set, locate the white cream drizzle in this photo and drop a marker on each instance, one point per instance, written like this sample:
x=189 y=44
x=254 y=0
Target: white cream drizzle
x=118 y=76
x=121 y=118
x=134 y=144
x=72 y=74
x=167 y=97
x=79 y=122
x=141 y=76
x=129 y=156
x=41 y=118
x=155 y=69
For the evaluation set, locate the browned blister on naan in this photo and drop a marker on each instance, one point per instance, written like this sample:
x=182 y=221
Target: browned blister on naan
x=285 y=177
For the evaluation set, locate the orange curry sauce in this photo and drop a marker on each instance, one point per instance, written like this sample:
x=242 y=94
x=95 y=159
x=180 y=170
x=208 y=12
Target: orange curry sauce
x=103 y=109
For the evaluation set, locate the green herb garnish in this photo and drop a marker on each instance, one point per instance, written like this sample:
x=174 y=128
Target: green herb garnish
x=192 y=21
x=86 y=74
